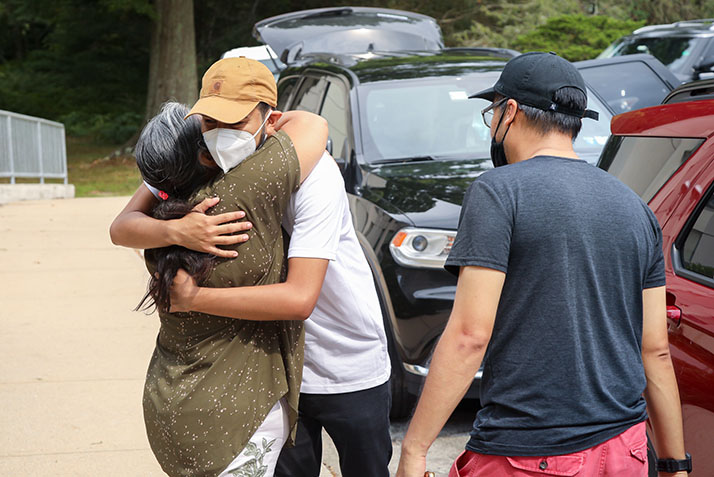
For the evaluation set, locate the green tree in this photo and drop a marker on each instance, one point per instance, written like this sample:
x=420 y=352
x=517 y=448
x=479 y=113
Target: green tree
x=575 y=37
x=667 y=11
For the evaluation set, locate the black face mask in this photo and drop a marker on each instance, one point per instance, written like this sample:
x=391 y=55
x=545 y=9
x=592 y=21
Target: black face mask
x=498 y=151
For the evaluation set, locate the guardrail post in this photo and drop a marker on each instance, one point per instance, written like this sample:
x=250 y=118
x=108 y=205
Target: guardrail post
x=9 y=150
x=40 y=155
x=64 y=156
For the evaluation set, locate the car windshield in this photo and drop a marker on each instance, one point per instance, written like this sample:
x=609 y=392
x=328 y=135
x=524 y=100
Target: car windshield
x=433 y=118
x=672 y=51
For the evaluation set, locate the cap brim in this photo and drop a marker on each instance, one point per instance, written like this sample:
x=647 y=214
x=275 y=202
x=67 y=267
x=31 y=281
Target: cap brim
x=488 y=94
x=222 y=109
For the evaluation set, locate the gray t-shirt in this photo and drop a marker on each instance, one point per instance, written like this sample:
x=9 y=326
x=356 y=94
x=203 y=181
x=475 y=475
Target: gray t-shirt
x=563 y=370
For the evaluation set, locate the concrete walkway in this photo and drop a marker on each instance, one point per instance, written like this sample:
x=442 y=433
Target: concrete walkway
x=75 y=354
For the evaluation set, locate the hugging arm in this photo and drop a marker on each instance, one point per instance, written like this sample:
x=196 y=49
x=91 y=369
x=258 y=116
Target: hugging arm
x=308 y=133
x=292 y=300
x=133 y=227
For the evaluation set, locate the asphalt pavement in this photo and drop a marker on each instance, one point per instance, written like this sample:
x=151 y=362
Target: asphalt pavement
x=75 y=353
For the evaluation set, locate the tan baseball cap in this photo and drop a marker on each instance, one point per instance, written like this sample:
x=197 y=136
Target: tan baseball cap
x=233 y=87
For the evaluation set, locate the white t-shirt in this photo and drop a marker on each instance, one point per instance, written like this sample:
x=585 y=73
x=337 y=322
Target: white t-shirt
x=345 y=343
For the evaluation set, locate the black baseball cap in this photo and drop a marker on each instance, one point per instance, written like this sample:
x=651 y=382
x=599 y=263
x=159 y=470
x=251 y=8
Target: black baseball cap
x=533 y=78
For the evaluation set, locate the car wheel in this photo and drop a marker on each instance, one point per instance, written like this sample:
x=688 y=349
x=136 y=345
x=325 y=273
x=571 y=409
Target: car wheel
x=403 y=401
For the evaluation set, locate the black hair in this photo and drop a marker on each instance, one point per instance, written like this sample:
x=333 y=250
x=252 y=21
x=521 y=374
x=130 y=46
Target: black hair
x=167 y=260
x=545 y=122
x=168 y=150
x=263 y=107
x=167 y=155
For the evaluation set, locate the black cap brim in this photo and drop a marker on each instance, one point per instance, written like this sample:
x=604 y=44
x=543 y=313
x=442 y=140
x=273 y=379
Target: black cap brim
x=488 y=94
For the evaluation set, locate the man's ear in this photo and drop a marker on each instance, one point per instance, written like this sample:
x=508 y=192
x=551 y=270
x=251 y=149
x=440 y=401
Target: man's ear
x=272 y=121
x=510 y=111
x=205 y=159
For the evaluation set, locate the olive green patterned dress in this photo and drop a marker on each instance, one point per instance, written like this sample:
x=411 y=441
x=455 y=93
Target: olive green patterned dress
x=212 y=380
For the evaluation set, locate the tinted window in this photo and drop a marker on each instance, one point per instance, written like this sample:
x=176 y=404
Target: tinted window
x=646 y=163
x=285 y=89
x=671 y=51
x=434 y=117
x=334 y=109
x=634 y=85
x=698 y=249
x=309 y=96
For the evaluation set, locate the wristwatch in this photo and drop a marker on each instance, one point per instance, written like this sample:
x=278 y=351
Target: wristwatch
x=675 y=465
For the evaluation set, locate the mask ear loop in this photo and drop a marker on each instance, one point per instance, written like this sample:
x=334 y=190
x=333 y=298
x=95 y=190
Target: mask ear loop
x=500 y=120
x=264 y=137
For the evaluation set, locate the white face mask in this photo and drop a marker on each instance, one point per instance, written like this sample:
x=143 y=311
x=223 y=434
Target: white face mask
x=230 y=147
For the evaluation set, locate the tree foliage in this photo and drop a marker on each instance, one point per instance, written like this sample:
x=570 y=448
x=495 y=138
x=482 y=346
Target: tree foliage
x=86 y=62
x=576 y=37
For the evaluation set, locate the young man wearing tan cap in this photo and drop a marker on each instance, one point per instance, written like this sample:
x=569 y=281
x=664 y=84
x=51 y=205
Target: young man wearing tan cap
x=345 y=387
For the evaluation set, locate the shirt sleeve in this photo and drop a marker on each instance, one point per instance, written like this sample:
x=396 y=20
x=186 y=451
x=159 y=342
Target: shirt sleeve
x=655 y=271
x=485 y=229
x=319 y=209
x=152 y=189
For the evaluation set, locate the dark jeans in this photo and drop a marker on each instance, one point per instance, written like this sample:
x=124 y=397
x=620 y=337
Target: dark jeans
x=358 y=424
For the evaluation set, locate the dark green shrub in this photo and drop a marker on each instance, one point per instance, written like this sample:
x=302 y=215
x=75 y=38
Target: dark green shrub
x=575 y=37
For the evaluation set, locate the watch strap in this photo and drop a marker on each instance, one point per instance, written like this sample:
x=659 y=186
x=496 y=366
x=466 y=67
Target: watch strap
x=675 y=465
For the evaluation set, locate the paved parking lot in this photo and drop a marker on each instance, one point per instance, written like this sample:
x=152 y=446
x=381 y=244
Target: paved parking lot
x=75 y=353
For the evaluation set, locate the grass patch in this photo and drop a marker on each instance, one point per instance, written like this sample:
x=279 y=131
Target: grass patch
x=95 y=174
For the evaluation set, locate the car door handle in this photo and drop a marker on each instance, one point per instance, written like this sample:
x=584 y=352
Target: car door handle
x=674 y=315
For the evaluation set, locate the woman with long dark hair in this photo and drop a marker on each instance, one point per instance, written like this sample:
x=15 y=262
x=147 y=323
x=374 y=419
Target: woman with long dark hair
x=221 y=394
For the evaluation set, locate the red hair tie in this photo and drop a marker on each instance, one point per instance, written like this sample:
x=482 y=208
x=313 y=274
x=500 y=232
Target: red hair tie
x=163 y=195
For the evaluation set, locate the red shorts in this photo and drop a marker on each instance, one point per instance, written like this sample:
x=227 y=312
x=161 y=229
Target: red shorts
x=625 y=454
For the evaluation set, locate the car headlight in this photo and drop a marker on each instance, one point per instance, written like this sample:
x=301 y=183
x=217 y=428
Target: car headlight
x=422 y=248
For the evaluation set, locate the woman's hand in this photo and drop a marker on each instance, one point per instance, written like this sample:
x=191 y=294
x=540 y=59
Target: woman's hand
x=203 y=233
x=183 y=290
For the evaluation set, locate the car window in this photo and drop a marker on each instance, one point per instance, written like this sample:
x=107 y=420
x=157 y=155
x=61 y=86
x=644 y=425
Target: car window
x=697 y=253
x=626 y=86
x=646 y=163
x=285 y=89
x=334 y=110
x=310 y=94
x=670 y=50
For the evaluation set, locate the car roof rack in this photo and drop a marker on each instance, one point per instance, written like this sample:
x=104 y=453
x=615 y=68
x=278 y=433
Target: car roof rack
x=698 y=23
x=351 y=59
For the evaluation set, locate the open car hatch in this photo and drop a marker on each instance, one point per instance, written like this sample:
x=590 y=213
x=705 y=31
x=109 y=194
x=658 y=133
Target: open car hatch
x=348 y=30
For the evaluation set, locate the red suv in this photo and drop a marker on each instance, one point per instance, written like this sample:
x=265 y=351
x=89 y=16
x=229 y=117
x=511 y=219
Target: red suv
x=666 y=154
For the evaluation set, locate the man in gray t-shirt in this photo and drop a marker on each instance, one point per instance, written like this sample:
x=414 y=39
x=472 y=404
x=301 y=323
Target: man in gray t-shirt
x=560 y=294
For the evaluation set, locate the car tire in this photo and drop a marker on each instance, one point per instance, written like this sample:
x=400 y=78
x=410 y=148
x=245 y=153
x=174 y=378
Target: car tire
x=403 y=401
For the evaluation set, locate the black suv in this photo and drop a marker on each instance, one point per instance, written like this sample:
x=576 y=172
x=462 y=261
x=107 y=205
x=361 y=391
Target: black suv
x=686 y=48
x=409 y=143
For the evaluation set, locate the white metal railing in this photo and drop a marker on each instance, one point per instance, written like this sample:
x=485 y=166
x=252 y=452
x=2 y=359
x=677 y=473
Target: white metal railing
x=31 y=148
